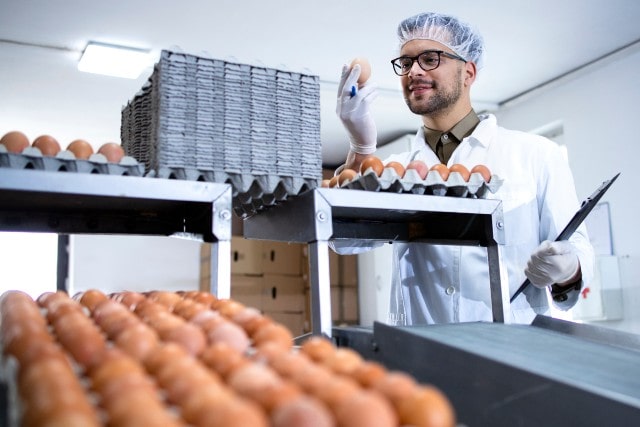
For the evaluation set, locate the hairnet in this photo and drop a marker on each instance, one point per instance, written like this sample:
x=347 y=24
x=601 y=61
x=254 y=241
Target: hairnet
x=458 y=36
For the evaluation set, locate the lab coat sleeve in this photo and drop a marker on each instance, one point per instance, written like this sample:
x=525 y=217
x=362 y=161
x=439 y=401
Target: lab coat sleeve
x=559 y=202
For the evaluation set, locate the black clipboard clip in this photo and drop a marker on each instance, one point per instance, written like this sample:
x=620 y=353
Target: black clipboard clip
x=585 y=208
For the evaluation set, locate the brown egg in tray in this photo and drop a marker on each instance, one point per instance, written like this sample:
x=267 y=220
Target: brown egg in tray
x=167 y=359
x=45 y=153
x=417 y=178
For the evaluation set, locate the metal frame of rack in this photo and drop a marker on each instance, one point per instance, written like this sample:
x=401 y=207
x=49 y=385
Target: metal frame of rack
x=330 y=214
x=74 y=203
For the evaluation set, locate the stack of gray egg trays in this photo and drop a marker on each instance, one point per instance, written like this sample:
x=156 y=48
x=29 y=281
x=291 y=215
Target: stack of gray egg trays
x=210 y=120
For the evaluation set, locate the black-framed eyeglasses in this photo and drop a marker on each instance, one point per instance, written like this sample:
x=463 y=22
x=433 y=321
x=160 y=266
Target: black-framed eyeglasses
x=427 y=60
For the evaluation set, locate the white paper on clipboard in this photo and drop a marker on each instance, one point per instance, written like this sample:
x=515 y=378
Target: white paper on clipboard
x=599 y=228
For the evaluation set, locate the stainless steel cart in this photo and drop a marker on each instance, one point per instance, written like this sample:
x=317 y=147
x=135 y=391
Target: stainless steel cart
x=75 y=203
x=325 y=214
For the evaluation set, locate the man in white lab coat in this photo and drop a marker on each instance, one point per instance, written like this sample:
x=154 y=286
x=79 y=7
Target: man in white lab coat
x=437 y=64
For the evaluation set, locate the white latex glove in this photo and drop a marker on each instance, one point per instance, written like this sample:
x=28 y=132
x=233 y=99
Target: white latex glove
x=552 y=262
x=353 y=111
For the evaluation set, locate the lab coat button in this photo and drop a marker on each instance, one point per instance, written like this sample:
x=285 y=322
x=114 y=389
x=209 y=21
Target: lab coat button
x=450 y=290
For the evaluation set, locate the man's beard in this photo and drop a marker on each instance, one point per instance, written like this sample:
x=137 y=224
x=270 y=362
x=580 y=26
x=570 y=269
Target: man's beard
x=441 y=101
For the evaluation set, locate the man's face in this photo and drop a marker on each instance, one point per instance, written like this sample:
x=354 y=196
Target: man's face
x=435 y=91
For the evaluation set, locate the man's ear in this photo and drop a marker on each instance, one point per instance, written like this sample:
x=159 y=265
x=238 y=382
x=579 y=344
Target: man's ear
x=470 y=73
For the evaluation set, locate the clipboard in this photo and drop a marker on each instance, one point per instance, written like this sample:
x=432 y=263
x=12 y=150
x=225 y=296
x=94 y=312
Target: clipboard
x=585 y=208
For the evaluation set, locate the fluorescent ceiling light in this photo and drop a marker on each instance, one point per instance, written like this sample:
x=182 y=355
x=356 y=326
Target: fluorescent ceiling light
x=116 y=61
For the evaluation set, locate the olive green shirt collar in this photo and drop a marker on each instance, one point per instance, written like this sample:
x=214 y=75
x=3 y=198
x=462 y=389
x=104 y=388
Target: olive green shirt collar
x=455 y=135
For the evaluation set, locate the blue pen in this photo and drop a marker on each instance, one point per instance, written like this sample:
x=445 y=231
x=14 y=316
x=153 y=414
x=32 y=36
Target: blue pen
x=353 y=91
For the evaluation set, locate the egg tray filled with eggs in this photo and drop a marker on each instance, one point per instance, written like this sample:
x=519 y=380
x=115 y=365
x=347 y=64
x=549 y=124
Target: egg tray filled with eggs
x=167 y=359
x=418 y=178
x=45 y=153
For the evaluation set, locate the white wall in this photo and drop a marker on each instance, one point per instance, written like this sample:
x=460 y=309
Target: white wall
x=598 y=108
x=134 y=263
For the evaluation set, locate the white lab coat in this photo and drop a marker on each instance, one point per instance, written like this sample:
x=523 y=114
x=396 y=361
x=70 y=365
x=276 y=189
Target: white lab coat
x=445 y=283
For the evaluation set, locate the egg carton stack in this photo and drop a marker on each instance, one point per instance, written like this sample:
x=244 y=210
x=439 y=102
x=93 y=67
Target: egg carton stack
x=205 y=119
x=432 y=184
x=65 y=161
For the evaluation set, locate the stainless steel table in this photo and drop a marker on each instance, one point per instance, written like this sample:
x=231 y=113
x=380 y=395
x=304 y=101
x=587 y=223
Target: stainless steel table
x=325 y=214
x=78 y=203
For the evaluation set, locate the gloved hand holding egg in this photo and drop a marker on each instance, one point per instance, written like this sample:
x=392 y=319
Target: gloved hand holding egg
x=552 y=262
x=353 y=107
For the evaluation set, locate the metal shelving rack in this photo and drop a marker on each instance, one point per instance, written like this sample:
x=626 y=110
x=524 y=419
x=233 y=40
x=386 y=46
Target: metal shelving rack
x=74 y=203
x=323 y=215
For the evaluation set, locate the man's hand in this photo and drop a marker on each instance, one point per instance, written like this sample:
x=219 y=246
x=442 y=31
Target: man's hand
x=353 y=110
x=553 y=263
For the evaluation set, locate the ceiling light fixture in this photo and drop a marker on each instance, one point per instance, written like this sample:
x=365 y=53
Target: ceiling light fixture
x=116 y=61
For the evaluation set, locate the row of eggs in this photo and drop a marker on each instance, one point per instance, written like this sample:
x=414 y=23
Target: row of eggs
x=373 y=164
x=16 y=142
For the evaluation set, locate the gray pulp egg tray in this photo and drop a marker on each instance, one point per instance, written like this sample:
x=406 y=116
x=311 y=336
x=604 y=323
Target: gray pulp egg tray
x=433 y=184
x=251 y=192
x=65 y=161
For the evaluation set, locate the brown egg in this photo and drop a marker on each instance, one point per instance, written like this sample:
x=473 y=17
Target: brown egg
x=343 y=361
x=228 y=307
x=365 y=70
x=165 y=354
x=318 y=348
x=112 y=151
x=428 y=407
x=371 y=162
x=281 y=394
x=252 y=378
x=333 y=182
x=245 y=316
x=223 y=359
x=165 y=298
x=15 y=141
x=368 y=373
x=80 y=148
x=462 y=170
x=229 y=412
x=273 y=332
x=325 y=183
x=442 y=169
x=189 y=336
x=229 y=333
x=483 y=171
x=138 y=341
x=303 y=411
x=131 y=299
x=47 y=145
x=396 y=386
x=366 y=409
x=397 y=167
x=336 y=390
x=90 y=298
x=420 y=167
x=346 y=176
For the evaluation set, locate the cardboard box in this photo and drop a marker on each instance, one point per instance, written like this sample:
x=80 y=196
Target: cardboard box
x=282 y=258
x=283 y=293
x=246 y=256
x=350 y=305
x=293 y=321
x=247 y=290
x=349 y=270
